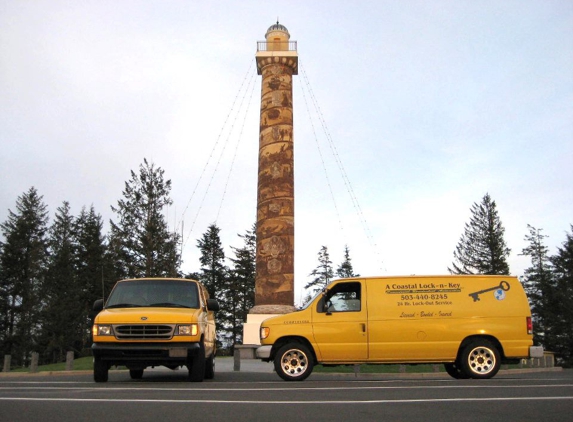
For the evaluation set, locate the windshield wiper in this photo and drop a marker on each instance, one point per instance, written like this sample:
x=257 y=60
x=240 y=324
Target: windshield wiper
x=168 y=305
x=124 y=305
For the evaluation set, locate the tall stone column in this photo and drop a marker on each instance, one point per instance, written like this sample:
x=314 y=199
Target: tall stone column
x=277 y=62
x=274 y=285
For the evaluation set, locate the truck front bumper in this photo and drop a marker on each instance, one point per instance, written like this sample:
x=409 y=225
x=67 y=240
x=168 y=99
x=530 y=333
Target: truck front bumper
x=264 y=352
x=144 y=354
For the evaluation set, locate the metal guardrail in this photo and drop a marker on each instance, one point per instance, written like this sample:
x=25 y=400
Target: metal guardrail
x=276 y=46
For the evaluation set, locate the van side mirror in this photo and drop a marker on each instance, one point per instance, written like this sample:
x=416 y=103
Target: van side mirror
x=98 y=305
x=212 y=305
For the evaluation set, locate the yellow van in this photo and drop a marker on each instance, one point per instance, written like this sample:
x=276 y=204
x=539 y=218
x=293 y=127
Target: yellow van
x=149 y=322
x=471 y=324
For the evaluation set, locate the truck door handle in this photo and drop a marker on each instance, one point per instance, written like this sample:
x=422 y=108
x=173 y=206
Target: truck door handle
x=363 y=326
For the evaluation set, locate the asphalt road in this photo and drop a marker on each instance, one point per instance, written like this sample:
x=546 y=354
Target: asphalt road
x=164 y=395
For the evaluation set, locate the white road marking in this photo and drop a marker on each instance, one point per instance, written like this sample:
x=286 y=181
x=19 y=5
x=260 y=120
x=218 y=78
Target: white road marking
x=313 y=402
x=294 y=389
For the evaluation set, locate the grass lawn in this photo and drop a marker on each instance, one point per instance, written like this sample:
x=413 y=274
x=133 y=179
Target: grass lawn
x=80 y=364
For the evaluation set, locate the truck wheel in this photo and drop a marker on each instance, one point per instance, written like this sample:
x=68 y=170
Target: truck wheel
x=196 y=365
x=210 y=368
x=293 y=362
x=136 y=374
x=100 y=370
x=454 y=371
x=480 y=359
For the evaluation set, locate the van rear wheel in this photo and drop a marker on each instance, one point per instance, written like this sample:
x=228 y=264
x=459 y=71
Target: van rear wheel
x=480 y=359
x=454 y=371
x=294 y=362
x=210 y=367
x=136 y=374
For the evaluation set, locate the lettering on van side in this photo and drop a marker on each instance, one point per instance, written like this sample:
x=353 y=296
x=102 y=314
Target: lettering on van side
x=401 y=289
x=426 y=314
x=304 y=321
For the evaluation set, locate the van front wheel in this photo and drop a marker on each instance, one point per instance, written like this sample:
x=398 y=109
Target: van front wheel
x=100 y=370
x=480 y=359
x=196 y=365
x=294 y=362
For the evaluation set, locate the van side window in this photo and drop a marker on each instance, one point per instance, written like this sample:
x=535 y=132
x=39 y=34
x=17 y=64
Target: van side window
x=344 y=297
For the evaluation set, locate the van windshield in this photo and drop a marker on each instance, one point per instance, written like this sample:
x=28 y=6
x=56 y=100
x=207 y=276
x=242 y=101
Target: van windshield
x=154 y=293
x=307 y=304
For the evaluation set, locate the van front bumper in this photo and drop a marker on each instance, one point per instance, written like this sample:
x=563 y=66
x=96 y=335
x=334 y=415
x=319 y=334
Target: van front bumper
x=145 y=354
x=264 y=352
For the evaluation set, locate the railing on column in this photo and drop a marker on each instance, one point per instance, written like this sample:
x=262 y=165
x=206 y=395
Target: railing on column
x=276 y=46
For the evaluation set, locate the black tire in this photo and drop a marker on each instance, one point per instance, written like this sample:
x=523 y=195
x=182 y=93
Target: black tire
x=210 y=368
x=196 y=365
x=101 y=370
x=294 y=362
x=480 y=359
x=454 y=371
x=136 y=374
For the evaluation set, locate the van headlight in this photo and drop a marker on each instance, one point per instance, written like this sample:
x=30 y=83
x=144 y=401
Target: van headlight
x=102 y=330
x=265 y=331
x=187 y=330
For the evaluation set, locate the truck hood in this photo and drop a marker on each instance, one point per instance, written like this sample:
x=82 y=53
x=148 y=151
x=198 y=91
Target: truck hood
x=147 y=316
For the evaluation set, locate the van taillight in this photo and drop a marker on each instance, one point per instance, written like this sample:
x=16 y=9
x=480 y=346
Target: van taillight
x=529 y=324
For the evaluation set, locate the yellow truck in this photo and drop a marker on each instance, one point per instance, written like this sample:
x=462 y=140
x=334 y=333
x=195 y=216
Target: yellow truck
x=471 y=324
x=149 y=322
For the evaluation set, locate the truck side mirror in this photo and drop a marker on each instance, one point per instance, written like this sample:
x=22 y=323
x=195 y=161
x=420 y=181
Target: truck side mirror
x=212 y=305
x=98 y=305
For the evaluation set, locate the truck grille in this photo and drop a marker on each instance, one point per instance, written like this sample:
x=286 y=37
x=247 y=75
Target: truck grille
x=143 y=332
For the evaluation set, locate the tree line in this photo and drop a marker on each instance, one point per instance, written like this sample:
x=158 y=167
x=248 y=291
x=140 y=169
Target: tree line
x=51 y=272
x=482 y=249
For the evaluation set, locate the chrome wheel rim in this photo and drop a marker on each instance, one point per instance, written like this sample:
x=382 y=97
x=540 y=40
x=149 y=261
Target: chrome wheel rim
x=481 y=360
x=294 y=363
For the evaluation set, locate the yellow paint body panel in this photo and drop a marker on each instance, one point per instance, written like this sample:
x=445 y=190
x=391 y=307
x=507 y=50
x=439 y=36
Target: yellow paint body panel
x=411 y=320
x=137 y=319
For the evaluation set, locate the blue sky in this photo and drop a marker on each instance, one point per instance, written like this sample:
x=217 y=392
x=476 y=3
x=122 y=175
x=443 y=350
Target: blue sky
x=430 y=105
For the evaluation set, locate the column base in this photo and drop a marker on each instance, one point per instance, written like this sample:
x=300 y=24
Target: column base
x=256 y=316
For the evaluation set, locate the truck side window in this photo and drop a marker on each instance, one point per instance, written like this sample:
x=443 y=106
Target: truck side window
x=344 y=297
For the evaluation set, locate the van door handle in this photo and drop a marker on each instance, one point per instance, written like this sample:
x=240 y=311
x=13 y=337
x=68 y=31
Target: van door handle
x=363 y=326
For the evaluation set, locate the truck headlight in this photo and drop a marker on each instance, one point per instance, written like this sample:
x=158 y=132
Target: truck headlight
x=265 y=331
x=102 y=330
x=187 y=330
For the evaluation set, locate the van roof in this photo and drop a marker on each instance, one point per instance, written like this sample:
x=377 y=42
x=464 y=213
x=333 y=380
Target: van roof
x=389 y=277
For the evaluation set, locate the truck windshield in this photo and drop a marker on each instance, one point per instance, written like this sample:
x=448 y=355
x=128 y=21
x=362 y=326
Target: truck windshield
x=154 y=293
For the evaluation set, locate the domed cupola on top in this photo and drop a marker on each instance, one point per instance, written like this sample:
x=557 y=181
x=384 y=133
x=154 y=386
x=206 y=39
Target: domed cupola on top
x=277 y=37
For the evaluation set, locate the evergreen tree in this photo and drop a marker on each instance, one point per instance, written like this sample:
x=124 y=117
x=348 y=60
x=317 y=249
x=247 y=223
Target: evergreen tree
x=563 y=324
x=323 y=273
x=482 y=248
x=22 y=264
x=539 y=286
x=94 y=272
x=214 y=276
x=141 y=244
x=242 y=283
x=345 y=269
x=62 y=312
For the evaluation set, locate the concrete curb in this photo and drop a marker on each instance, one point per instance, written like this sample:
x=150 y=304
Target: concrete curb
x=265 y=369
